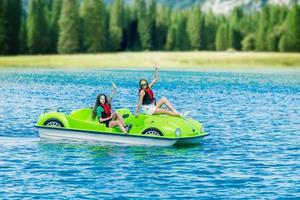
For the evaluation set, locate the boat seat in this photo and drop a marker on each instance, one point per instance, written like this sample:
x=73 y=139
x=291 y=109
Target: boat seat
x=84 y=114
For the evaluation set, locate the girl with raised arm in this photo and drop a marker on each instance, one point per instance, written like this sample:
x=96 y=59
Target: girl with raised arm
x=102 y=110
x=147 y=101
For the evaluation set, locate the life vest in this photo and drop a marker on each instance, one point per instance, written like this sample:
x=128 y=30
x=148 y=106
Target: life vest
x=107 y=112
x=148 y=97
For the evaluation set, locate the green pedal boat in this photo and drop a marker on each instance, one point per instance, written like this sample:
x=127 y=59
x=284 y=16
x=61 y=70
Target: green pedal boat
x=154 y=130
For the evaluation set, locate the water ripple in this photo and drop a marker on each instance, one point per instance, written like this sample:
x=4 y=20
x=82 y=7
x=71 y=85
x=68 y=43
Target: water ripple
x=252 y=152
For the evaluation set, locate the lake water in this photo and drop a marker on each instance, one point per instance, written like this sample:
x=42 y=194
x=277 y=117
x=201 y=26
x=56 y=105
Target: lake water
x=253 y=150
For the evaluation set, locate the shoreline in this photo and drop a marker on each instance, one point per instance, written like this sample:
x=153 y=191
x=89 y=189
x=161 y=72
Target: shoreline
x=162 y=69
x=189 y=61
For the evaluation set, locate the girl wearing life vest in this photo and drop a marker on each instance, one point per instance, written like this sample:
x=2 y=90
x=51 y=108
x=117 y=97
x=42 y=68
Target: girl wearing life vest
x=147 y=101
x=102 y=110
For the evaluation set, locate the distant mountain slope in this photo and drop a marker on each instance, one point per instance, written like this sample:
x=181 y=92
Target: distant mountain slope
x=217 y=6
x=225 y=6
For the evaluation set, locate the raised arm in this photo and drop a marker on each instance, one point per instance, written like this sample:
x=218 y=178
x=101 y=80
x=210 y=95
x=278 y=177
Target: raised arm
x=112 y=94
x=155 y=76
x=137 y=110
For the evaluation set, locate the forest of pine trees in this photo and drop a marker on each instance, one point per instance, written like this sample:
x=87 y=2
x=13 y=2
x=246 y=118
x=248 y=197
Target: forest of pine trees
x=90 y=26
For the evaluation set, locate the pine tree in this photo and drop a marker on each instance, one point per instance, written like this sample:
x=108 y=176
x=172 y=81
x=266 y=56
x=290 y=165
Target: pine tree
x=45 y=21
x=23 y=36
x=68 y=28
x=248 y=43
x=222 y=42
x=133 y=40
x=171 y=39
x=126 y=23
x=37 y=40
x=273 y=31
x=194 y=29
x=283 y=11
x=3 y=35
x=261 y=35
x=182 y=42
x=116 y=25
x=235 y=36
x=53 y=24
x=290 y=40
x=162 y=24
x=93 y=25
x=144 y=28
x=248 y=24
x=152 y=25
x=210 y=27
x=32 y=33
x=12 y=13
x=14 y=24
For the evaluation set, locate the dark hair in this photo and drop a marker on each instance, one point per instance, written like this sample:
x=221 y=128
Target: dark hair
x=97 y=103
x=145 y=81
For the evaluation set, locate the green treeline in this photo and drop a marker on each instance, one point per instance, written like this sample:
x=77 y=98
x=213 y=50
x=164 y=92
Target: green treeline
x=90 y=26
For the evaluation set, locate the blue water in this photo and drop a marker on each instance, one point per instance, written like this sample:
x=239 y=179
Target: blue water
x=252 y=152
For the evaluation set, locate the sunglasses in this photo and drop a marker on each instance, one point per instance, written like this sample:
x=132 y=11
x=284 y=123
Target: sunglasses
x=144 y=84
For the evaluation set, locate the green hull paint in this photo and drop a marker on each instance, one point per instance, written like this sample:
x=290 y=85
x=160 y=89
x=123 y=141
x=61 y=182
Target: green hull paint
x=82 y=120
